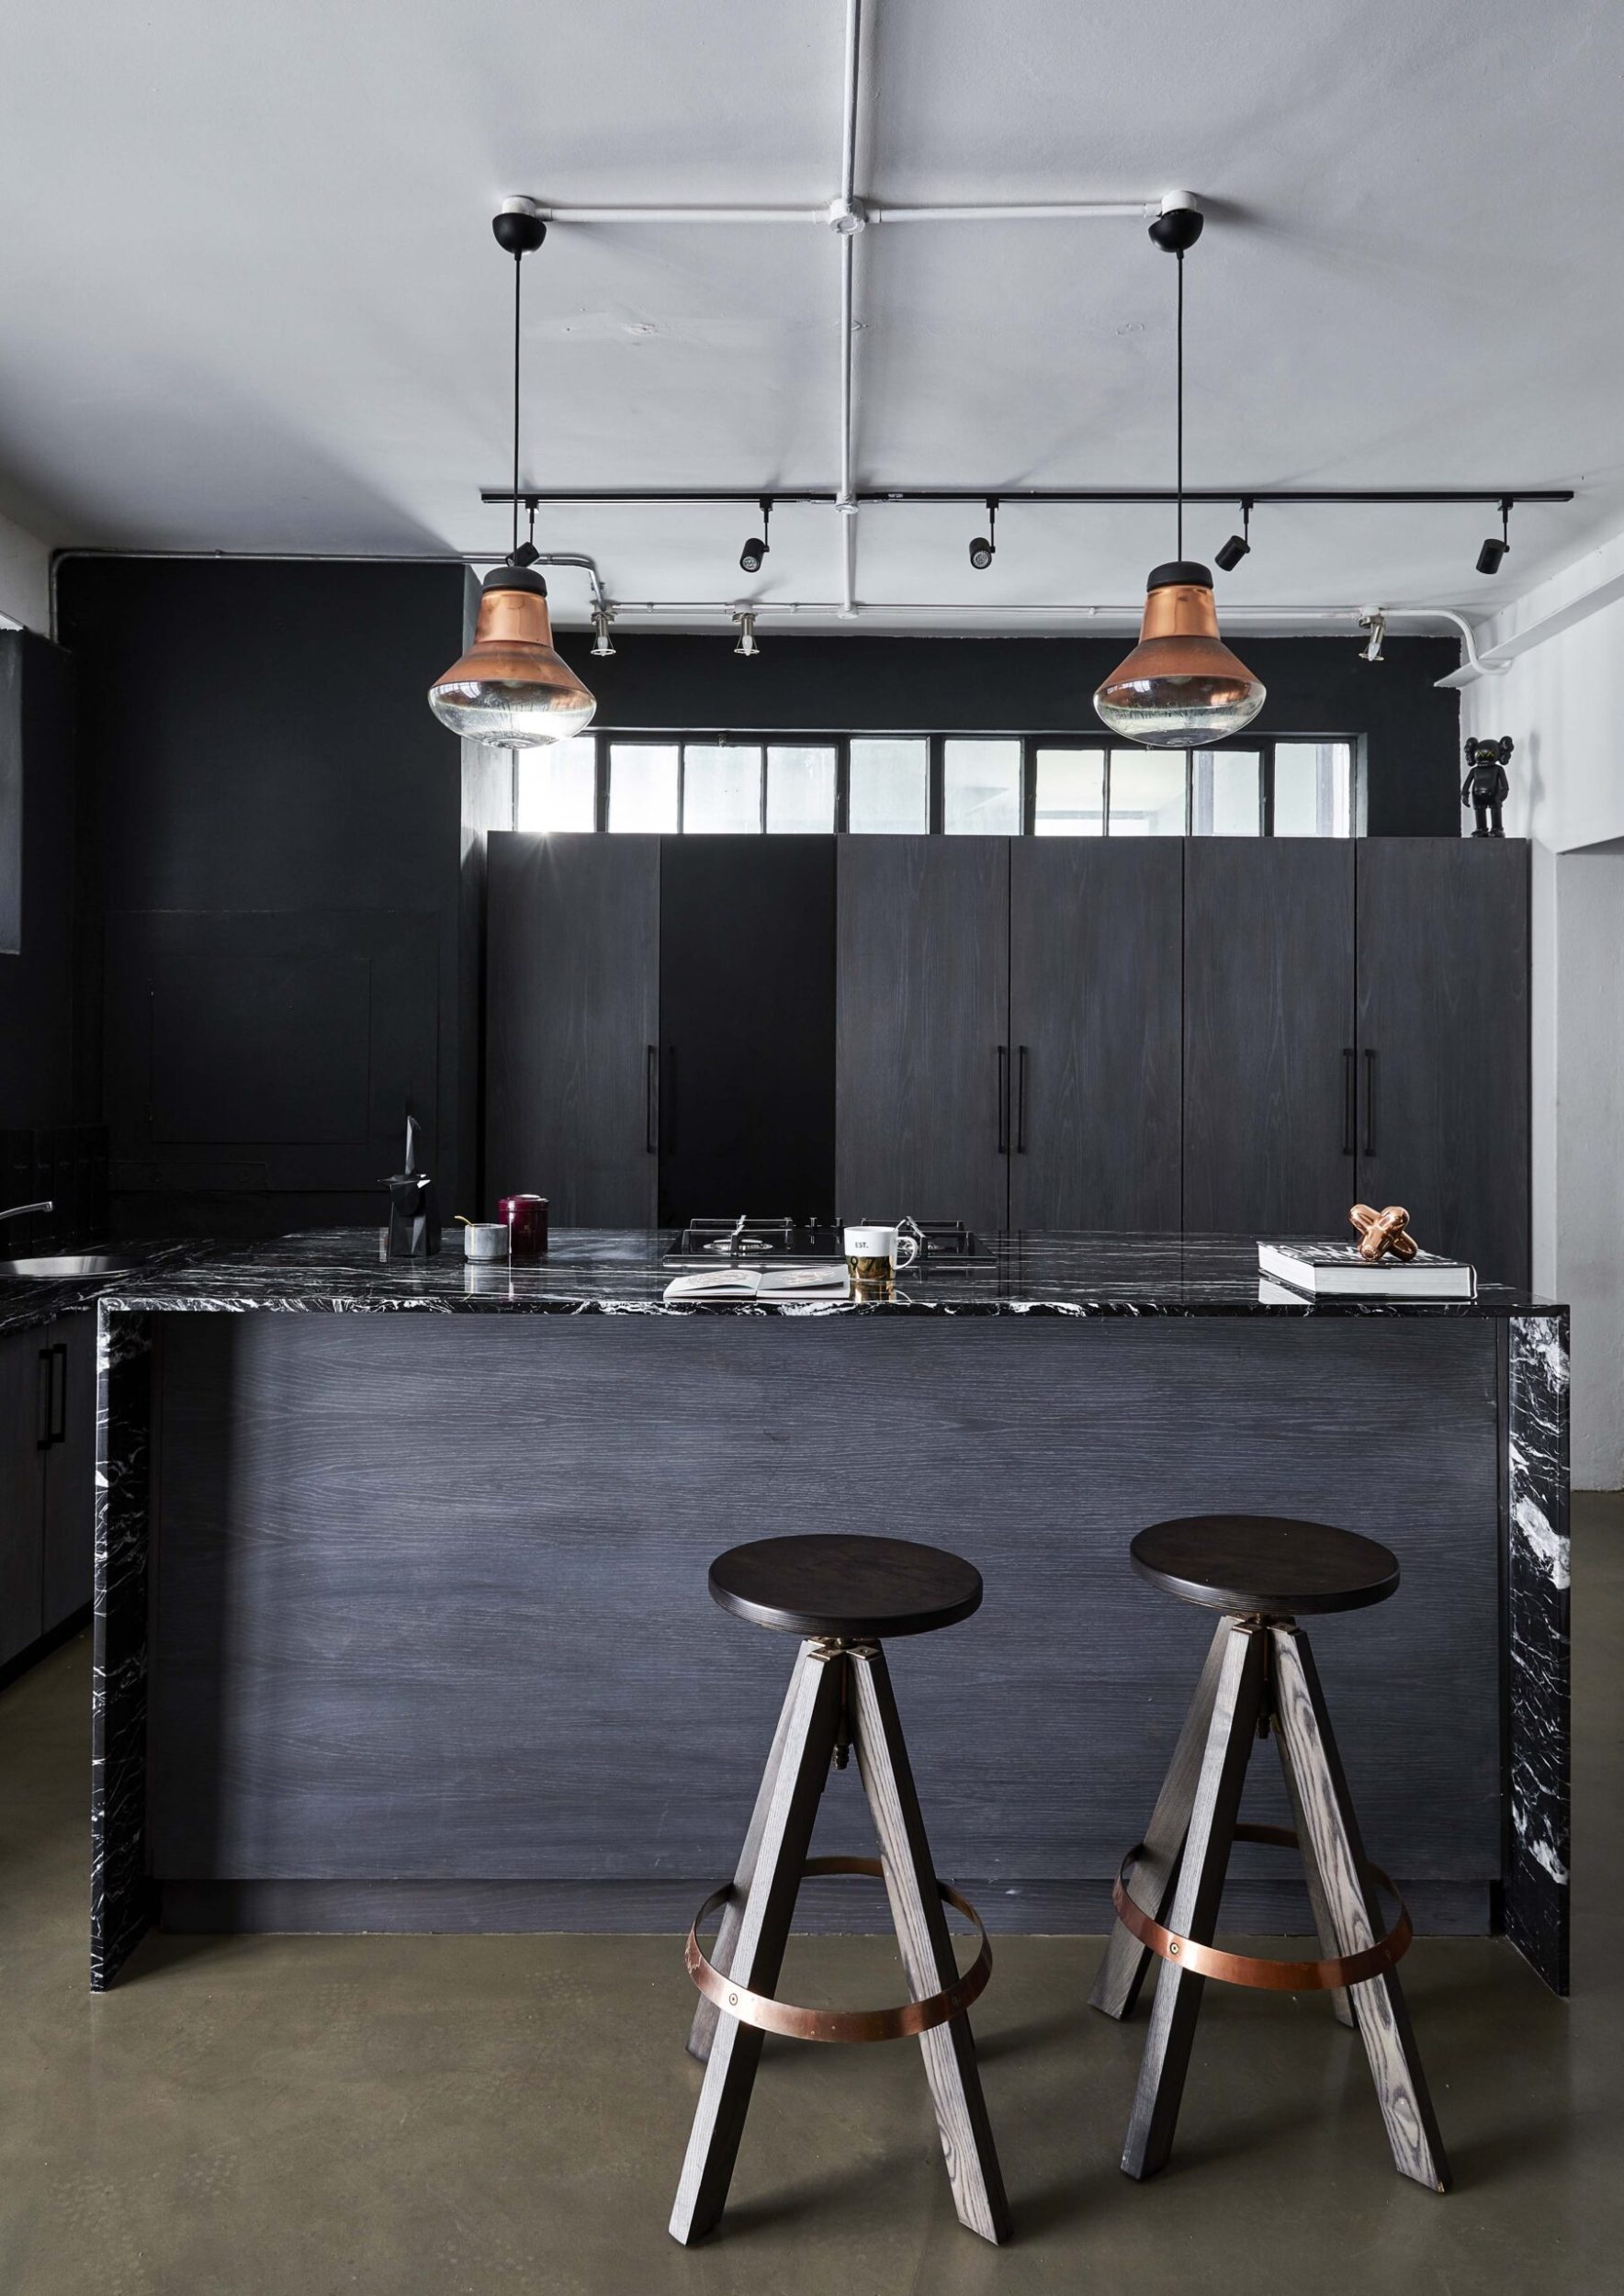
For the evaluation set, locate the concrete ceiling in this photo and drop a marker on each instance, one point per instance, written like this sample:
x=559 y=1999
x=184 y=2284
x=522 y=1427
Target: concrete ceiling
x=251 y=301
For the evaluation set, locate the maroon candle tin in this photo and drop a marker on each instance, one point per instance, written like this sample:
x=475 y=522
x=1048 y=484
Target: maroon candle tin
x=526 y=1226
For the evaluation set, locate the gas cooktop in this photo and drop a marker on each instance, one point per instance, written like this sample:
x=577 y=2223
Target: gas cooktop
x=704 y=1243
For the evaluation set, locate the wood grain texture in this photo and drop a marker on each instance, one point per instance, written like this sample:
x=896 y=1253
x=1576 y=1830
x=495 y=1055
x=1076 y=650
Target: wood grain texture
x=22 y=1485
x=433 y=1595
x=1443 y=1036
x=1096 y=1024
x=927 y=1951
x=1332 y=1830
x=572 y=1005
x=1268 y=975
x=758 y=1950
x=1150 y=1885
x=922 y=1006
x=1177 y=1998
x=1319 y=1898
x=703 y=2029
x=67 y=1556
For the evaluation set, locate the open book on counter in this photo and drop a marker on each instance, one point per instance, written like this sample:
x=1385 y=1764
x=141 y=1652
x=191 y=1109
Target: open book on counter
x=785 y=1287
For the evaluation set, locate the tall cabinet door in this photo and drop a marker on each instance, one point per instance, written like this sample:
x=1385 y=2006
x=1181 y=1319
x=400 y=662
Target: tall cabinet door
x=1096 y=1026
x=573 y=1002
x=1268 y=1041
x=922 y=1110
x=1443 y=1043
x=746 y=1025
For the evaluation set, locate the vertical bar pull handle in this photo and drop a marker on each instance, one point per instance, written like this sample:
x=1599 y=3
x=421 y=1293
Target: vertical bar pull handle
x=59 y=1384
x=1022 y=1063
x=1349 y=1093
x=1003 y=1100
x=1370 y=1102
x=46 y=1395
x=651 y=1101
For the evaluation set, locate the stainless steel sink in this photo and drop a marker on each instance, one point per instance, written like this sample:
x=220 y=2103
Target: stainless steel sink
x=60 y=1264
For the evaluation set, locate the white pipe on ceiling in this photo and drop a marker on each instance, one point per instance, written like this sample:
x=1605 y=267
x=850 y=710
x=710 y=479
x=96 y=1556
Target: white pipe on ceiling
x=1045 y=211
x=846 y=227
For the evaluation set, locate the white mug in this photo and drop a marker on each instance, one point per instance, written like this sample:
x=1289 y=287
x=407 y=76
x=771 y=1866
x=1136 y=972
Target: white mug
x=874 y=1253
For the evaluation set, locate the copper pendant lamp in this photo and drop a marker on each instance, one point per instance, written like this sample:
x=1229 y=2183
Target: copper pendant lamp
x=1180 y=686
x=511 y=688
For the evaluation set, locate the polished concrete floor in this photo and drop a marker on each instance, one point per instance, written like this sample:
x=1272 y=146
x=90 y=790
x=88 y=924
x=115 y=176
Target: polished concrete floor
x=294 y=2116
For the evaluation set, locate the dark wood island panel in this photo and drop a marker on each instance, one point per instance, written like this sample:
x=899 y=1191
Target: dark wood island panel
x=430 y=1643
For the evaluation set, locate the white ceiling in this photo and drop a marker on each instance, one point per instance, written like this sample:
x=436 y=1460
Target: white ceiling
x=251 y=301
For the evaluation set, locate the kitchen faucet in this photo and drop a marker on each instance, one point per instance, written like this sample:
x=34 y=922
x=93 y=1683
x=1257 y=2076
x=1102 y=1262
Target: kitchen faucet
x=17 y=1211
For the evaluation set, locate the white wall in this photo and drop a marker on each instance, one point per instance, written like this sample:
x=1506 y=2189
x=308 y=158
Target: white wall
x=25 y=578
x=1562 y=702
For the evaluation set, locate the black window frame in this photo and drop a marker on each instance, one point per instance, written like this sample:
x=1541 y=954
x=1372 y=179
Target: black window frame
x=1263 y=745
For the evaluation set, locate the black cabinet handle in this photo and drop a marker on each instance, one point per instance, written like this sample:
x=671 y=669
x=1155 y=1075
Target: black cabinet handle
x=1370 y=1102
x=1003 y=1100
x=43 y=1440
x=1022 y=1059
x=1349 y=1097
x=651 y=1101
x=58 y=1364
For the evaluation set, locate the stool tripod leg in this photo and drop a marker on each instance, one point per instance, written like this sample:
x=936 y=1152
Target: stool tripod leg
x=1177 y=1998
x=1121 y=1972
x=701 y=2031
x=926 y=1950
x=817 y=1695
x=1330 y=1824
x=1318 y=1896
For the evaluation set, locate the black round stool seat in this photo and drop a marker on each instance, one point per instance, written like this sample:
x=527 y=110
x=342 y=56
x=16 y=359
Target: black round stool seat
x=845 y=1586
x=1264 y=1565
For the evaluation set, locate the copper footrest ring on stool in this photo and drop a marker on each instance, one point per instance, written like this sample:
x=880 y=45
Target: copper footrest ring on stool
x=810 y=2024
x=1271 y=1976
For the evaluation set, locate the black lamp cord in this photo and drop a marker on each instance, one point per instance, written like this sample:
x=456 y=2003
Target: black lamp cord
x=518 y=277
x=1181 y=405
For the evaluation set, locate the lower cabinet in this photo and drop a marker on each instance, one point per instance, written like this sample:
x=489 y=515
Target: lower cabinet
x=47 y=1479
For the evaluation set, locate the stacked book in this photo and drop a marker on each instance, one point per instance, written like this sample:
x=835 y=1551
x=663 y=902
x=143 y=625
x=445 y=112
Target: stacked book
x=1336 y=1271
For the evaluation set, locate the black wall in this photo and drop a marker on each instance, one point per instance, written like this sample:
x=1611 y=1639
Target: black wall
x=271 y=862
x=37 y=973
x=1316 y=685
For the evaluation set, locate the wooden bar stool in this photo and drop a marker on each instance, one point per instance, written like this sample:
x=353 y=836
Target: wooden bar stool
x=844 y=1596
x=1261 y=1572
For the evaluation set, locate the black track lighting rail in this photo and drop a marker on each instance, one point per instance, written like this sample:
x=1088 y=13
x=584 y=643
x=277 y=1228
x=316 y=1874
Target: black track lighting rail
x=722 y=498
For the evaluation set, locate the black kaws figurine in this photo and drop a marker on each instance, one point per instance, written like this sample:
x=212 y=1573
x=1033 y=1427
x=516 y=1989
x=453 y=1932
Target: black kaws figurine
x=1485 y=788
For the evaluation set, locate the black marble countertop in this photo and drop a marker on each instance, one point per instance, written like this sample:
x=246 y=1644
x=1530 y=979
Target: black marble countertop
x=613 y=1272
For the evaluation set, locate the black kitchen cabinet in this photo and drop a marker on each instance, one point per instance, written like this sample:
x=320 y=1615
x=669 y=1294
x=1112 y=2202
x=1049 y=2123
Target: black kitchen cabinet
x=24 y=1425
x=1096 y=1026
x=572 y=989
x=1269 y=1069
x=1443 y=1043
x=67 y=1564
x=747 y=1027
x=923 y=1083
x=47 y=1479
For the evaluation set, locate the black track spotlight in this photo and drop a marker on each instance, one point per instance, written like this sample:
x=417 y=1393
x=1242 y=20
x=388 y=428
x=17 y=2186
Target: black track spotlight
x=1238 y=546
x=984 y=547
x=755 y=549
x=1492 y=556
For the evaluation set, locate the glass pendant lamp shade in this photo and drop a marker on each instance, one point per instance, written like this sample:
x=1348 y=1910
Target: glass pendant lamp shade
x=1180 y=685
x=511 y=688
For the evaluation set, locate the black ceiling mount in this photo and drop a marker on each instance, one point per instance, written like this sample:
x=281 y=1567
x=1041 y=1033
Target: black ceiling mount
x=1176 y=227
x=519 y=230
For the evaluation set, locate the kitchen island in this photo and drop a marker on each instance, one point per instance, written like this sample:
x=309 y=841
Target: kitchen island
x=402 y=1616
